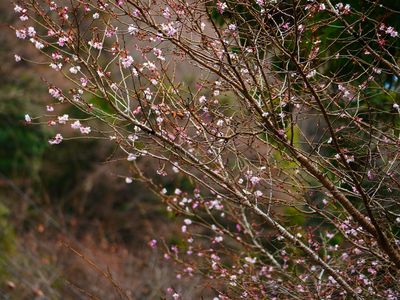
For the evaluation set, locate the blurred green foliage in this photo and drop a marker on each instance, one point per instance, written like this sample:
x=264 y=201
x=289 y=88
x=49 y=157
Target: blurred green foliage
x=7 y=234
x=7 y=240
x=21 y=148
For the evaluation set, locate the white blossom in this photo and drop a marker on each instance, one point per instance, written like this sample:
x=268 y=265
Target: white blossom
x=28 y=119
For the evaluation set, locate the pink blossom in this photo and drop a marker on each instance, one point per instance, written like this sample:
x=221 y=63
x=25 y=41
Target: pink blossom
x=258 y=194
x=176 y=296
x=62 y=40
x=238 y=228
x=218 y=239
x=56 y=66
x=131 y=157
x=21 y=34
x=135 y=72
x=75 y=69
x=166 y=13
x=202 y=99
x=254 y=180
x=158 y=53
x=31 y=31
x=56 y=140
x=63 y=119
x=150 y=66
x=251 y=260
x=232 y=27
x=343 y=9
x=221 y=7
x=53 y=5
x=96 y=44
x=391 y=31
x=76 y=125
x=285 y=26
x=56 y=56
x=85 y=130
x=19 y=9
x=169 y=29
x=127 y=61
x=153 y=243
x=132 y=29
x=100 y=73
x=148 y=94
x=83 y=81
x=136 y=13
x=137 y=110
x=38 y=45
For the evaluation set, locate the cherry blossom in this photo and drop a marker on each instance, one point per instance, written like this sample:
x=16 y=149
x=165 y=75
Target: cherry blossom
x=85 y=130
x=131 y=157
x=56 y=140
x=63 y=119
x=277 y=161
x=28 y=119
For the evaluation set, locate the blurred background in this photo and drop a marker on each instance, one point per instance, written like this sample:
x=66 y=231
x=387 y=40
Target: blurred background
x=60 y=202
